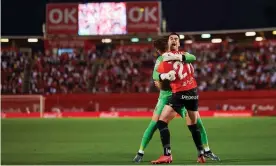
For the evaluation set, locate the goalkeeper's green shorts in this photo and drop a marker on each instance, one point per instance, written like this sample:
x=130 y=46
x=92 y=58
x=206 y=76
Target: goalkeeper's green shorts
x=161 y=104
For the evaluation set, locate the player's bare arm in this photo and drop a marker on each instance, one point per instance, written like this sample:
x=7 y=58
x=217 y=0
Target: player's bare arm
x=157 y=84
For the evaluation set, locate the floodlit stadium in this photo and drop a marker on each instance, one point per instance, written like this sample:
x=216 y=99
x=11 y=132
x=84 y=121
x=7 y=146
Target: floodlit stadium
x=137 y=82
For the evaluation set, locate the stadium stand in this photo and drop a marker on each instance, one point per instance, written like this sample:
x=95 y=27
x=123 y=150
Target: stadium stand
x=219 y=67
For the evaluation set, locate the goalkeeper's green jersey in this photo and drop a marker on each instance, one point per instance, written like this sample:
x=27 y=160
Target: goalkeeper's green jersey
x=155 y=76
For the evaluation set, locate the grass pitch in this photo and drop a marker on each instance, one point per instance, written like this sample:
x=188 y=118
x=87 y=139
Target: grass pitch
x=116 y=141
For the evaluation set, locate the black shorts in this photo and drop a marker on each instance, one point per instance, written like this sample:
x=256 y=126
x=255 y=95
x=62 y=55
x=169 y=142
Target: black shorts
x=187 y=99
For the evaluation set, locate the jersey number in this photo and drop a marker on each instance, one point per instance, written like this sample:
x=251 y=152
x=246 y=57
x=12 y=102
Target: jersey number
x=180 y=65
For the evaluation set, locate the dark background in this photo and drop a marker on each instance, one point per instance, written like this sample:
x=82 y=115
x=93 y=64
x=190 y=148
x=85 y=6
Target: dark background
x=25 y=17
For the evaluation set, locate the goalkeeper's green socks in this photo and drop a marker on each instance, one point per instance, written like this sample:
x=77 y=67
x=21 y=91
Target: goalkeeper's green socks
x=203 y=134
x=147 y=136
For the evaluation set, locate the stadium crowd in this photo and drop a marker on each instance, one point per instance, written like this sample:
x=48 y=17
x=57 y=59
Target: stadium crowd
x=232 y=67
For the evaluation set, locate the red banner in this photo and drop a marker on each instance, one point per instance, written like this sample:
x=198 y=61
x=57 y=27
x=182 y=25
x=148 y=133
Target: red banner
x=251 y=100
x=62 y=19
x=118 y=114
x=265 y=113
x=134 y=47
x=223 y=103
x=69 y=43
x=8 y=49
x=143 y=17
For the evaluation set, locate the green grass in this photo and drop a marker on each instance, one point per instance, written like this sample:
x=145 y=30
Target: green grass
x=115 y=141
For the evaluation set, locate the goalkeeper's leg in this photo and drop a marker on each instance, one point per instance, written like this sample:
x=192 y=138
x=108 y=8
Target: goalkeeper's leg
x=150 y=130
x=207 y=152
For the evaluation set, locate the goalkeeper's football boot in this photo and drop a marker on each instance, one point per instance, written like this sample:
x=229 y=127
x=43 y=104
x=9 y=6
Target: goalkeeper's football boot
x=201 y=158
x=163 y=160
x=209 y=154
x=138 y=158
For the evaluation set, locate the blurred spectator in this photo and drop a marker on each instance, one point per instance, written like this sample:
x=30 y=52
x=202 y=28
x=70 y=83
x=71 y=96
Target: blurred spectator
x=221 y=68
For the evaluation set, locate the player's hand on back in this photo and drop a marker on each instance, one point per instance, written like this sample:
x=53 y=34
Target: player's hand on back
x=157 y=84
x=168 y=76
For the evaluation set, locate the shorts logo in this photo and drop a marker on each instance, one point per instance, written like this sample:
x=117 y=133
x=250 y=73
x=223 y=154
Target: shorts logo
x=184 y=97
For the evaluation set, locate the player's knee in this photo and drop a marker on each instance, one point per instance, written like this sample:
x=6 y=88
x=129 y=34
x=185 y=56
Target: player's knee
x=192 y=115
x=164 y=116
x=155 y=117
x=167 y=114
x=193 y=122
x=188 y=120
x=164 y=119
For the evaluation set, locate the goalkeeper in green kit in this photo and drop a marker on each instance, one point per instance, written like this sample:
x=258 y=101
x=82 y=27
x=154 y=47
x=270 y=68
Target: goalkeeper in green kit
x=162 y=82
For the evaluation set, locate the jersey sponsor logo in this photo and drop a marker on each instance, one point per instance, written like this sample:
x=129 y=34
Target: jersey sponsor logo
x=188 y=82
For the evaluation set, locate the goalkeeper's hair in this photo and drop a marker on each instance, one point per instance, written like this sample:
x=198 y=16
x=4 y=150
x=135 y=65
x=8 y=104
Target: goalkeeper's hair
x=161 y=44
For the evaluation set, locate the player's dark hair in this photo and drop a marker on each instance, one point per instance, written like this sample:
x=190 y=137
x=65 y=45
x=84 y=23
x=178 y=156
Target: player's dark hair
x=161 y=44
x=173 y=33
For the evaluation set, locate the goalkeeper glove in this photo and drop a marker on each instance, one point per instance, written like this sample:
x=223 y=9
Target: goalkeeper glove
x=168 y=76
